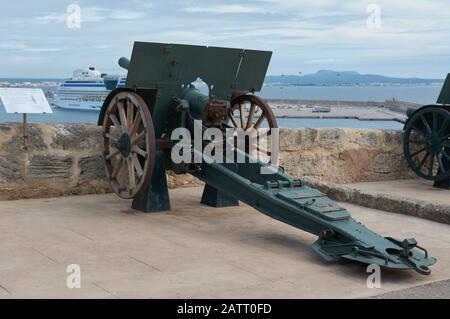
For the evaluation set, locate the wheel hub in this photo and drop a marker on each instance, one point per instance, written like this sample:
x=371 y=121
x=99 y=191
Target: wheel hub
x=124 y=144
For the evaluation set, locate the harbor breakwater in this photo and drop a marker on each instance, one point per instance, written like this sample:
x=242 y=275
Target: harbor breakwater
x=65 y=159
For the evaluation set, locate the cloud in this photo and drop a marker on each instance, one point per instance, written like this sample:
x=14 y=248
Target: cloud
x=302 y=33
x=17 y=46
x=223 y=9
x=94 y=14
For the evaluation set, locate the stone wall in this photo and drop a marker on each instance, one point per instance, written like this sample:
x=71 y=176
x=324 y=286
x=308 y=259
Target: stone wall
x=65 y=159
x=343 y=155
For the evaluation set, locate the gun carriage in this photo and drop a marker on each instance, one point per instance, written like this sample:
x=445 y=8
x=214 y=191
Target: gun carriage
x=159 y=97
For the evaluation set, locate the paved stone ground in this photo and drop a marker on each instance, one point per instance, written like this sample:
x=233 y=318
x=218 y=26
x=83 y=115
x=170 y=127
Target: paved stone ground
x=417 y=189
x=191 y=252
x=434 y=290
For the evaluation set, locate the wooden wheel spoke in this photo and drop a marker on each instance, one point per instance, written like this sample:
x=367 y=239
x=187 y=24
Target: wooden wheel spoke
x=241 y=114
x=130 y=113
x=424 y=159
x=138 y=137
x=137 y=121
x=441 y=164
x=416 y=129
x=251 y=112
x=418 y=152
x=136 y=149
x=259 y=121
x=111 y=137
x=122 y=115
x=233 y=119
x=425 y=124
x=445 y=154
x=111 y=155
x=117 y=169
x=137 y=165
x=435 y=122
x=431 y=165
x=444 y=126
x=115 y=121
x=131 y=176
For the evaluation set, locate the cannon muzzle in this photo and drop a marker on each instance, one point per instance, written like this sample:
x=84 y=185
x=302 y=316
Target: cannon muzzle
x=124 y=62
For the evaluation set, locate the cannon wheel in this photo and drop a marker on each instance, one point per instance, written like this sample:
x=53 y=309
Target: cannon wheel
x=129 y=144
x=426 y=143
x=251 y=112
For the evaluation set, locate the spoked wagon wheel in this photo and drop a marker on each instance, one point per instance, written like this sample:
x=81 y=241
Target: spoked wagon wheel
x=251 y=112
x=129 y=144
x=426 y=143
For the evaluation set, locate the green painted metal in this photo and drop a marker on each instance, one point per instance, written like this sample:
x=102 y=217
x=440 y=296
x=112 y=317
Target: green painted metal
x=426 y=139
x=162 y=74
x=170 y=68
x=156 y=195
x=444 y=96
x=215 y=198
x=292 y=202
x=196 y=100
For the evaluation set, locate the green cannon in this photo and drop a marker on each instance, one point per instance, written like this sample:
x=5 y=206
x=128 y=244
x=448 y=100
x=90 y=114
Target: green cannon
x=426 y=139
x=164 y=94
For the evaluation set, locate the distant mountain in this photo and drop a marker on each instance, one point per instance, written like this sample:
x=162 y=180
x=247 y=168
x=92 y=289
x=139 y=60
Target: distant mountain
x=327 y=77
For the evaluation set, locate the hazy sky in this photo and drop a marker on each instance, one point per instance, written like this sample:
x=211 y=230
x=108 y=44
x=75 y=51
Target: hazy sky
x=411 y=37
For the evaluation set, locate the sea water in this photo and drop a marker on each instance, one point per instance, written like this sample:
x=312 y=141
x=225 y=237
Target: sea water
x=425 y=94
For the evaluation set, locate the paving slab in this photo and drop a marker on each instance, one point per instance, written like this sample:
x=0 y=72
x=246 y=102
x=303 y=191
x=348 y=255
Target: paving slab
x=193 y=251
x=417 y=189
x=414 y=197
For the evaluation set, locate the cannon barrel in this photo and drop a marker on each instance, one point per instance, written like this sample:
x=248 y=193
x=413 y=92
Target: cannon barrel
x=197 y=100
x=124 y=62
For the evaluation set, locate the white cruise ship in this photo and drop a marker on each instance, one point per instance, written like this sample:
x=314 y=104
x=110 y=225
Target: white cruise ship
x=85 y=90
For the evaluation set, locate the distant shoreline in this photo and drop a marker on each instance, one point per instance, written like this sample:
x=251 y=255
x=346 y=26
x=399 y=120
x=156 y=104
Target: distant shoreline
x=44 y=81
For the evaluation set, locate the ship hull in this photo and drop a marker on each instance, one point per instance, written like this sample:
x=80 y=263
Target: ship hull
x=86 y=101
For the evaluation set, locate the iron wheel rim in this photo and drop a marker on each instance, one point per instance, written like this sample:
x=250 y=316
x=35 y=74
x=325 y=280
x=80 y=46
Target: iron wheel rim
x=429 y=131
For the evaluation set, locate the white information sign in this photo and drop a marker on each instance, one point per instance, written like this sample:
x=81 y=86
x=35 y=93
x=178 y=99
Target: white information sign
x=21 y=100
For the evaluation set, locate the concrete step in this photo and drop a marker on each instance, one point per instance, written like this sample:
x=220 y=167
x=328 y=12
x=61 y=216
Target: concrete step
x=413 y=197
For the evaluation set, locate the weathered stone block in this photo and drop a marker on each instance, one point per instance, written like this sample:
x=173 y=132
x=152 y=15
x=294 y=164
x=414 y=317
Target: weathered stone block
x=393 y=138
x=5 y=127
x=367 y=138
x=10 y=169
x=49 y=166
x=309 y=138
x=35 y=140
x=385 y=163
x=92 y=167
x=77 y=137
x=331 y=138
x=290 y=139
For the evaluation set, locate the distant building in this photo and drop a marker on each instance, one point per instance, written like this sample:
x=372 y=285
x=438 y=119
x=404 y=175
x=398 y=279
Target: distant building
x=321 y=109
